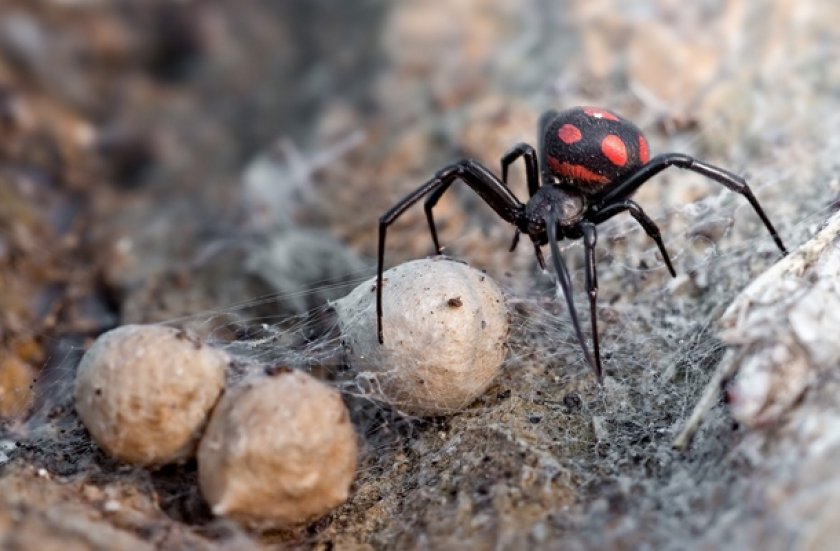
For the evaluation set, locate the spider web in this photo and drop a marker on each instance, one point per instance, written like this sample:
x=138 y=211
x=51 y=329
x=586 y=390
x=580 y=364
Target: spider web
x=543 y=417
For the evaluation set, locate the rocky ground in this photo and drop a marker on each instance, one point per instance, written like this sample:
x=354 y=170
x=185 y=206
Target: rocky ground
x=222 y=166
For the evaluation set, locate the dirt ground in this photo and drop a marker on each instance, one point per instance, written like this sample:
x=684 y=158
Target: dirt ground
x=222 y=166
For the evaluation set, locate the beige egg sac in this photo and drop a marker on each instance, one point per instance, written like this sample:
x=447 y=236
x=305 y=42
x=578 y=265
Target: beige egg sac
x=279 y=451
x=144 y=392
x=445 y=332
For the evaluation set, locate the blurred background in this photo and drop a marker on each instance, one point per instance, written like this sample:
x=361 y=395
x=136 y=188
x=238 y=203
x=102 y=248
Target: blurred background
x=162 y=159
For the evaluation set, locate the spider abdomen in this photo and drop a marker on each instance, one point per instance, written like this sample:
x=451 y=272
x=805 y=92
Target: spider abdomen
x=590 y=149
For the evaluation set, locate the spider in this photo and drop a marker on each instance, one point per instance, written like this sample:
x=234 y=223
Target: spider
x=591 y=162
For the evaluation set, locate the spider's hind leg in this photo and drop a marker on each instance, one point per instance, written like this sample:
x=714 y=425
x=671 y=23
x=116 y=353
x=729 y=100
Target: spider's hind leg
x=727 y=179
x=643 y=219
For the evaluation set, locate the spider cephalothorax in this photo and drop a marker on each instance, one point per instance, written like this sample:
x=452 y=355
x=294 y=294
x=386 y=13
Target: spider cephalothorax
x=591 y=163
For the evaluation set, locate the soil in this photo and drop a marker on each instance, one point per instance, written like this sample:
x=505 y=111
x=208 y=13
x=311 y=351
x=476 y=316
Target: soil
x=222 y=167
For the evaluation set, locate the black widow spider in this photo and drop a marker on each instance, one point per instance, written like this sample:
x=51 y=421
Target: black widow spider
x=591 y=162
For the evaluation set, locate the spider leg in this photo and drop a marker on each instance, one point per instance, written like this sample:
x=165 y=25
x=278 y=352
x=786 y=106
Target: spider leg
x=566 y=284
x=531 y=169
x=429 y=204
x=650 y=227
x=467 y=170
x=531 y=173
x=590 y=238
x=545 y=119
x=719 y=175
x=492 y=190
x=540 y=257
x=515 y=241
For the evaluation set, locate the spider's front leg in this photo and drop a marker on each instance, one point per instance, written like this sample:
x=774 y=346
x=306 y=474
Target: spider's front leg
x=566 y=284
x=492 y=190
x=590 y=239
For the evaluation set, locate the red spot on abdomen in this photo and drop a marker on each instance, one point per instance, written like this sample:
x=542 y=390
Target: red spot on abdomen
x=644 y=152
x=614 y=149
x=599 y=113
x=569 y=133
x=576 y=172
